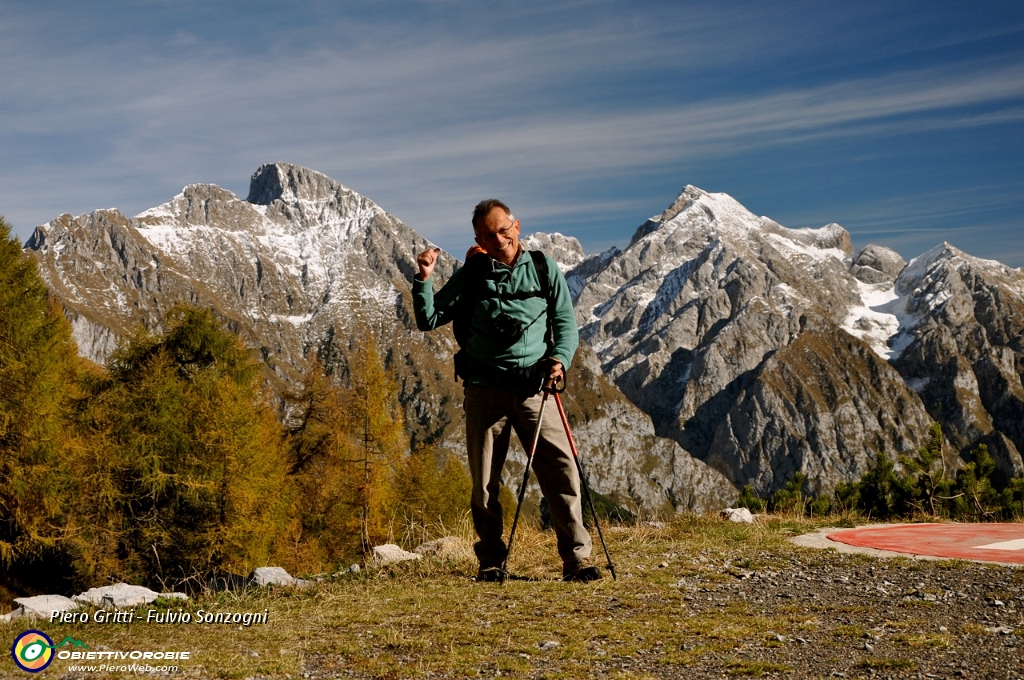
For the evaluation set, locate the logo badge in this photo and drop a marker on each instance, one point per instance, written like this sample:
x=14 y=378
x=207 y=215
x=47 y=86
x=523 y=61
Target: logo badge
x=32 y=651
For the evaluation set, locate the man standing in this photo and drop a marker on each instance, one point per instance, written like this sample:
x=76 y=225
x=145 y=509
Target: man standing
x=517 y=331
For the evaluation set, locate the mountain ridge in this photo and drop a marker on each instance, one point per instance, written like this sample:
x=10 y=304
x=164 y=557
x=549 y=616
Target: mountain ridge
x=305 y=272
x=692 y=319
x=755 y=349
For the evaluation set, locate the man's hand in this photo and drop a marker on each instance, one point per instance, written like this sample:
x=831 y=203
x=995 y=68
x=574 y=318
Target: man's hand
x=426 y=261
x=556 y=373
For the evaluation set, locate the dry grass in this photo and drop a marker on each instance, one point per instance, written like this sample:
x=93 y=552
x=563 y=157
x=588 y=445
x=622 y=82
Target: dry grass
x=428 y=618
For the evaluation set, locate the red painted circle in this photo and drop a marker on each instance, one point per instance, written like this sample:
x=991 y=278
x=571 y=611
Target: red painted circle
x=955 y=541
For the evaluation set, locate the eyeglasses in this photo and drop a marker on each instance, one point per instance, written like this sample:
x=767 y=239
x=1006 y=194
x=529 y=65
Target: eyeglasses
x=503 y=233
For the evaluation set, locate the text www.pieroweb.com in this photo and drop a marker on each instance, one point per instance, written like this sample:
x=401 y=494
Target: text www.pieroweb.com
x=126 y=668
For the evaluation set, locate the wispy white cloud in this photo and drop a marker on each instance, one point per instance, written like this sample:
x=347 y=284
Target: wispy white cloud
x=981 y=220
x=428 y=120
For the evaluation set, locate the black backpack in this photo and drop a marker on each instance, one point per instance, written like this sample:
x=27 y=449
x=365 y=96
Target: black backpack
x=477 y=267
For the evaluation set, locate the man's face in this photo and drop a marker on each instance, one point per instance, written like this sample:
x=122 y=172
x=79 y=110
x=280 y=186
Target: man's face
x=498 y=235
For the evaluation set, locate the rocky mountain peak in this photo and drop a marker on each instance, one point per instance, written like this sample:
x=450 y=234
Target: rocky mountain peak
x=712 y=312
x=290 y=183
x=948 y=284
x=962 y=342
x=566 y=250
x=877 y=264
x=945 y=256
x=720 y=217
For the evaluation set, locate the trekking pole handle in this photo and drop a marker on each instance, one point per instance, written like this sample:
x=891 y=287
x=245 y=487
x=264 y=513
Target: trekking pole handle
x=552 y=386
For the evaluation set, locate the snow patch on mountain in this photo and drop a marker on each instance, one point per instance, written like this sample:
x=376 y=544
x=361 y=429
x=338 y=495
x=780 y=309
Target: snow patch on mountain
x=870 y=321
x=792 y=248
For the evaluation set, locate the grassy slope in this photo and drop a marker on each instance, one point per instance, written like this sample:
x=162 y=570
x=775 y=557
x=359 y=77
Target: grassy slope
x=671 y=612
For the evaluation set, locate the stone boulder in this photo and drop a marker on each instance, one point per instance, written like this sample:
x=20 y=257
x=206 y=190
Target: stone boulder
x=276 y=576
x=738 y=515
x=40 y=606
x=877 y=264
x=118 y=595
x=390 y=553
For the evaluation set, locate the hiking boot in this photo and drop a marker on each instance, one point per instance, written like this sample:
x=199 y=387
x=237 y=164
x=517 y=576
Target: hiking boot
x=490 y=575
x=580 y=571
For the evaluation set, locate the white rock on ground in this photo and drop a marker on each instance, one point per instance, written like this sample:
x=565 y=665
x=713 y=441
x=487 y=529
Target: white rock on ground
x=174 y=596
x=389 y=553
x=276 y=576
x=42 y=606
x=117 y=595
x=739 y=515
x=11 y=615
x=449 y=546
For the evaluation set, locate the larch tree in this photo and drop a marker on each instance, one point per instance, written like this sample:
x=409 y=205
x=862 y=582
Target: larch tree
x=375 y=417
x=38 y=361
x=198 y=457
x=348 y=446
x=434 y=492
x=324 y=522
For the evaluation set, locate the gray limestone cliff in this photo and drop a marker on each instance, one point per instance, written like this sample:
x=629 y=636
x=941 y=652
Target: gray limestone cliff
x=962 y=340
x=752 y=345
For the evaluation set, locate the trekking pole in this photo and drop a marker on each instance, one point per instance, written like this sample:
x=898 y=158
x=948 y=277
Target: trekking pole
x=548 y=386
x=583 y=482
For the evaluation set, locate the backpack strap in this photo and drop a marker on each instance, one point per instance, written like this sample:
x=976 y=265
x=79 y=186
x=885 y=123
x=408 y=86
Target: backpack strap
x=540 y=263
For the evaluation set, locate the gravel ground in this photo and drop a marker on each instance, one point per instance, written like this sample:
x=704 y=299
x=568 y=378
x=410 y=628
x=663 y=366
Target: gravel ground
x=871 y=618
x=832 y=615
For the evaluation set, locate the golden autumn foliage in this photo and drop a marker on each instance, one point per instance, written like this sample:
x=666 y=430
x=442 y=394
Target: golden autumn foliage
x=195 y=459
x=38 y=364
x=433 y=491
x=170 y=463
x=357 y=486
x=323 y=526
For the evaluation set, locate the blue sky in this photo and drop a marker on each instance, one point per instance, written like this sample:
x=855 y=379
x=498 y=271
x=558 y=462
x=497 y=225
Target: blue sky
x=901 y=121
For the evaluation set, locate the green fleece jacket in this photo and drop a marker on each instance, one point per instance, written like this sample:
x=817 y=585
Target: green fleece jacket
x=503 y=283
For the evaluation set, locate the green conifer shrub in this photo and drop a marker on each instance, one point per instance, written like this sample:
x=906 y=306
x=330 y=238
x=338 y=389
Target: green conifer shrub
x=881 y=490
x=847 y=497
x=976 y=499
x=750 y=500
x=926 y=485
x=1012 y=499
x=790 y=498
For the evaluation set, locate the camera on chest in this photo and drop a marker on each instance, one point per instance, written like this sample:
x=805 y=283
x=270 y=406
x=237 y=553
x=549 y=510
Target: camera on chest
x=507 y=328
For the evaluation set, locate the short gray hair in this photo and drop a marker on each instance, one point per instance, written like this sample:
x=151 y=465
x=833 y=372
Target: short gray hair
x=484 y=208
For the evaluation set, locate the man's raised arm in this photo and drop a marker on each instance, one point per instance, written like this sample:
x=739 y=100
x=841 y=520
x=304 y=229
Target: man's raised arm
x=430 y=310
